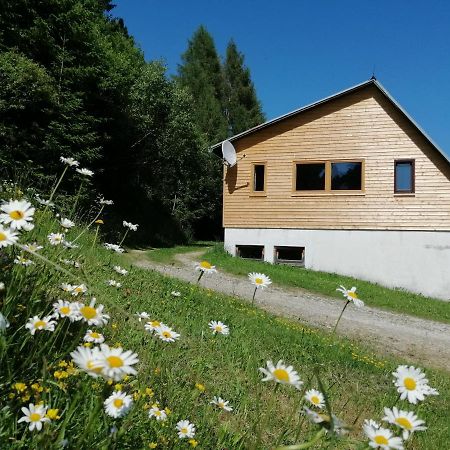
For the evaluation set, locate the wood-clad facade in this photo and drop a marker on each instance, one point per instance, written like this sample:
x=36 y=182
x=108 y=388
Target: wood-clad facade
x=363 y=125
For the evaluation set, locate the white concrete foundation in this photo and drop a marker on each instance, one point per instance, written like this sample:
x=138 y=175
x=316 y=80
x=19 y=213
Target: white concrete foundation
x=417 y=261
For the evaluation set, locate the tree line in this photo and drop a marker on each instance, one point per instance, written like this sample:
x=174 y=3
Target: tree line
x=73 y=82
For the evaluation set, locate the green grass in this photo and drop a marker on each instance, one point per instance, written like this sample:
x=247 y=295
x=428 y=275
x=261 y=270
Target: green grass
x=372 y=294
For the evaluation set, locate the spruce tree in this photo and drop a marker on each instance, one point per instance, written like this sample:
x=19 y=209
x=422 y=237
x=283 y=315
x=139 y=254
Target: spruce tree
x=243 y=109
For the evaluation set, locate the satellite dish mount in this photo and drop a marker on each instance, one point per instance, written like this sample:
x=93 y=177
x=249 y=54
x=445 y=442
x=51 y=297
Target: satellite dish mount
x=229 y=154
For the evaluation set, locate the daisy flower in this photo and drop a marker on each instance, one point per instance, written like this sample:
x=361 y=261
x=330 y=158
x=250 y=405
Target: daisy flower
x=281 y=374
x=142 y=316
x=175 y=294
x=43 y=202
x=63 y=308
x=159 y=414
x=85 y=172
x=69 y=244
x=4 y=323
x=69 y=161
x=116 y=363
x=66 y=287
x=259 y=280
x=351 y=296
x=118 y=404
x=17 y=213
x=166 y=334
x=66 y=223
x=185 y=429
x=78 y=289
x=106 y=202
x=324 y=421
x=35 y=323
x=35 y=416
x=205 y=267
x=119 y=270
x=372 y=423
x=406 y=420
x=2 y=286
x=152 y=325
x=23 y=261
x=130 y=226
x=55 y=238
x=114 y=247
x=219 y=327
x=94 y=336
x=221 y=403
x=34 y=247
x=114 y=283
x=382 y=438
x=7 y=237
x=92 y=314
x=88 y=360
x=411 y=383
x=315 y=397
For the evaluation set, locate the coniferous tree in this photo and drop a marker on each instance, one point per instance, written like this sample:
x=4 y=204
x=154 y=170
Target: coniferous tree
x=243 y=109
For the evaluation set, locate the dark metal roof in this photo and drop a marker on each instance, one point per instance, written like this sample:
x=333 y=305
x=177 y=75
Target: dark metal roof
x=372 y=81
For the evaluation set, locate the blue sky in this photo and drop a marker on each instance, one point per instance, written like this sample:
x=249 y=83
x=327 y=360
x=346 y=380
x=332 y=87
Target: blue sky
x=301 y=51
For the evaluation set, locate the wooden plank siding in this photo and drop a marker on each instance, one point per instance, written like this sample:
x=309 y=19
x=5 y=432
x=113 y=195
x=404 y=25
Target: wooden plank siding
x=362 y=125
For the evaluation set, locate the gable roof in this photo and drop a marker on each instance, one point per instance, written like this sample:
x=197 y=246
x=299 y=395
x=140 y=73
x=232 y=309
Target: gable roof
x=372 y=82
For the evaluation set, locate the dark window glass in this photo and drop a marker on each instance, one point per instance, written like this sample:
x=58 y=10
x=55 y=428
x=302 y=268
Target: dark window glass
x=310 y=177
x=346 y=176
x=404 y=176
x=258 y=177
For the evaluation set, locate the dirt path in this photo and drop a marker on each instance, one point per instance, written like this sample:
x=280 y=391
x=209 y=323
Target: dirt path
x=417 y=340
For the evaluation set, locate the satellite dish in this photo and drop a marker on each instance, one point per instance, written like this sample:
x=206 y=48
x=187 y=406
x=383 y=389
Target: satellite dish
x=229 y=153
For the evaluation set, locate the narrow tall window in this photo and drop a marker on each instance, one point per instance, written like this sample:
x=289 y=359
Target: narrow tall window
x=259 y=175
x=404 y=176
x=310 y=177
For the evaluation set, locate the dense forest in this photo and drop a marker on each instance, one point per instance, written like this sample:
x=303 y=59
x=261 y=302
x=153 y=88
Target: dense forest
x=73 y=82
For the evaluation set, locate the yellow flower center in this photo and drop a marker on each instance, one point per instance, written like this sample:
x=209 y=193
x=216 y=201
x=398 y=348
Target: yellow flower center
x=40 y=323
x=2 y=236
x=167 y=334
x=205 y=265
x=410 y=383
x=352 y=294
x=221 y=405
x=16 y=215
x=380 y=440
x=184 y=430
x=315 y=399
x=259 y=281
x=114 y=361
x=218 y=328
x=64 y=309
x=155 y=323
x=90 y=366
x=88 y=312
x=118 y=402
x=403 y=422
x=157 y=412
x=281 y=374
x=35 y=417
x=78 y=289
x=95 y=335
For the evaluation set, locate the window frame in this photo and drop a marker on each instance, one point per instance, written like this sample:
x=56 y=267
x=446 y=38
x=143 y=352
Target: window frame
x=294 y=176
x=252 y=179
x=413 y=176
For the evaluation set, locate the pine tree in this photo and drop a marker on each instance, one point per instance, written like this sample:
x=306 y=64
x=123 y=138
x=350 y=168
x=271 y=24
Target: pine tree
x=201 y=73
x=243 y=109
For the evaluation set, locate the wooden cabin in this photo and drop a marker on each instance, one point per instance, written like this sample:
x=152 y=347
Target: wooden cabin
x=349 y=184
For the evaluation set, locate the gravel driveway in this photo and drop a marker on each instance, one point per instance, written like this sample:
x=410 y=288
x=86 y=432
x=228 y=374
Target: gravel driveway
x=417 y=340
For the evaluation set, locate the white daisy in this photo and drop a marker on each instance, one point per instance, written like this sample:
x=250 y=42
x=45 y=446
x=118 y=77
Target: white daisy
x=406 y=420
x=175 y=294
x=85 y=172
x=185 y=429
x=63 y=308
x=159 y=414
x=66 y=223
x=142 y=316
x=166 y=334
x=116 y=363
x=88 y=360
x=2 y=286
x=351 y=296
x=7 y=237
x=94 y=336
x=314 y=416
x=55 y=238
x=17 y=213
x=70 y=262
x=114 y=247
x=92 y=314
x=43 y=202
x=259 y=280
x=34 y=247
x=411 y=383
x=36 y=324
x=315 y=397
x=219 y=327
x=69 y=161
x=4 y=323
x=372 y=423
x=23 y=261
x=119 y=269
x=152 y=325
x=118 y=404
x=129 y=225
x=106 y=202
x=205 y=267
x=69 y=244
x=78 y=289
x=382 y=438
x=114 y=283
x=221 y=403
x=35 y=415
x=281 y=374
x=66 y=287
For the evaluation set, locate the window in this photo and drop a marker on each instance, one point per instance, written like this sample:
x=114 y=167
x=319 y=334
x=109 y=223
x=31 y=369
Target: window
x=259 y=172
x=346 y=176
x=310 y=177
x=290 y=255
x=404 y=176
x=250 y=251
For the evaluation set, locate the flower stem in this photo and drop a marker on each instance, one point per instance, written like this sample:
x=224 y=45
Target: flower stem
x=56 y=187
x=340 y=315
x=124 y=236
x=200 y=276
x=254 y=293
x=90 y=223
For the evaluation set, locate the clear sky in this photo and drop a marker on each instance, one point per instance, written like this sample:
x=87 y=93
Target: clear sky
x=301 y=51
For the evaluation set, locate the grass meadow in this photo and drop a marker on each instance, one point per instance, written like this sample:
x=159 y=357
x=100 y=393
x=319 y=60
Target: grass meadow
x=181 y=377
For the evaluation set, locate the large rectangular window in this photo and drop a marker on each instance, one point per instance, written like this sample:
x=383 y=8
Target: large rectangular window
x=259 y=175
x=310 y=177
x=346 y=176
x=404 y=176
